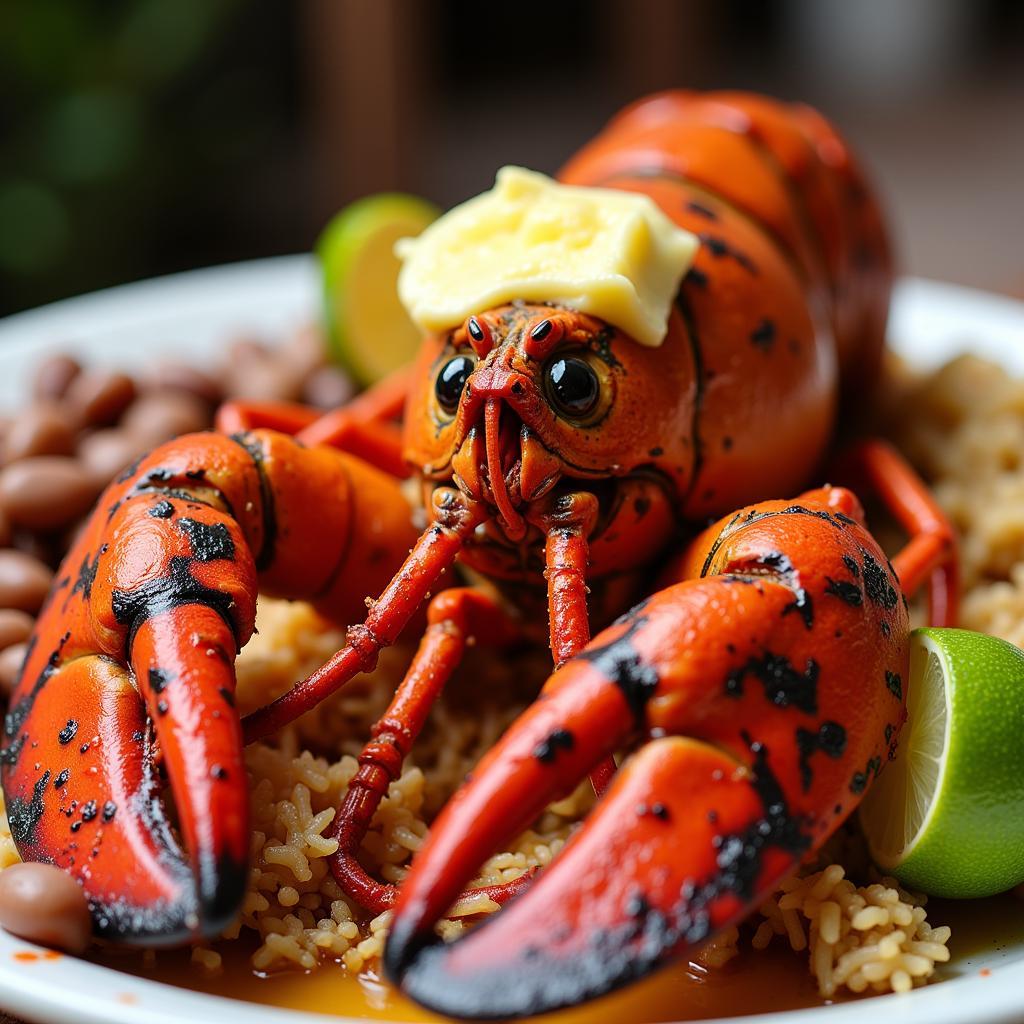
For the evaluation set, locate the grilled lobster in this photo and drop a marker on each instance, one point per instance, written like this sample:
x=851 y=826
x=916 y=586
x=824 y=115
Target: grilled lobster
x=759 y=684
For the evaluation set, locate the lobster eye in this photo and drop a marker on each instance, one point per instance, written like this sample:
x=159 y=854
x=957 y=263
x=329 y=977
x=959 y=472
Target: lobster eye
x=451 y=380
x=573 y=386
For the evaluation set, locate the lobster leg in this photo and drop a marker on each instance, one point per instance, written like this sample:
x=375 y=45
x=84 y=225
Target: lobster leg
x=931 y=553
x=363 y=427
x=456 y=617
x=432 y=556
x=781 y=655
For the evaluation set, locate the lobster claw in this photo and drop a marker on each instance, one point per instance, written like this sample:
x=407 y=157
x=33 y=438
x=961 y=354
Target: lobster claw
x=637 y=886
x=80 y=772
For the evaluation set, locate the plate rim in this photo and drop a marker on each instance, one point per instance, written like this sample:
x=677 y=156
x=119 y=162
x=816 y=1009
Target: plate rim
x=287 y=285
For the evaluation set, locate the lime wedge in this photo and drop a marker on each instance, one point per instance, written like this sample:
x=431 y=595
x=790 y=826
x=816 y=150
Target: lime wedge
x=947 y=815
x=368 y=330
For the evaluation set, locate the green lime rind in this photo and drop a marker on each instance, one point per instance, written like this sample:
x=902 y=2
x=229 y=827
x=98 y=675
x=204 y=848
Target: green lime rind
x=970 y=840
x=368 y=334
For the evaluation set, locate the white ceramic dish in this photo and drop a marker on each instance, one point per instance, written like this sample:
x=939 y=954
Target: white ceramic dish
x=187 y=315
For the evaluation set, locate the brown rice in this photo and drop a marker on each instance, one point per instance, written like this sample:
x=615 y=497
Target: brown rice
x=963 y=426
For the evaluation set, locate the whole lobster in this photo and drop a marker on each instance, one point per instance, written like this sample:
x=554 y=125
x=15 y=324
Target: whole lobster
x=760 y=682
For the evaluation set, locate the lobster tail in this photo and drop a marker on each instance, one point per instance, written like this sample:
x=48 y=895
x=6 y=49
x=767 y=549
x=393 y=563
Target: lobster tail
x=793 y=270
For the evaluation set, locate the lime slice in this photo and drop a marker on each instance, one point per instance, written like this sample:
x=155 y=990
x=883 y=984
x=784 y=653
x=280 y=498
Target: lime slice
x=369 y=332
x=947 y=815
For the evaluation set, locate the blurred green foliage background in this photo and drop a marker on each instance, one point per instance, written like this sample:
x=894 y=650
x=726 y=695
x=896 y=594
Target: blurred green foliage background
x=140 y=137
x=126 y=122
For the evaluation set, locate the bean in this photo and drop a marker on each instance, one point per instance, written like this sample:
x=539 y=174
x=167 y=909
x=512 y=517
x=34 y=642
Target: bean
x=24 y=581
x=11 y=660
x=53 y=376
x=43 y=429
x=265 y=378
x=157 y=418
x=328 y=388
x=100 y=396
x=41 y=903
x=106 y=452
x=46 y=492
x=187 y=379
x=15 y=627
x=305 y=350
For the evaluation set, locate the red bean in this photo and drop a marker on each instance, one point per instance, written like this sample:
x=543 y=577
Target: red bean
x=24 y=581
x=105 y=453
x=11 y=660
x=43 y=429
x=40 y=903
x=15 y=627
x=46 y=492
x=328 y=388
x=100 y=396
x=53 y=376
x=157 y=418
x=180 y=377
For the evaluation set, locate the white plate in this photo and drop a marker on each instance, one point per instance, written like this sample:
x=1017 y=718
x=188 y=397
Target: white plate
x=188 y=315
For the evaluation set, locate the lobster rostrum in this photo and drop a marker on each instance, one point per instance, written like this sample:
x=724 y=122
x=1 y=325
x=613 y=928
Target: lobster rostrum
x=757 y=688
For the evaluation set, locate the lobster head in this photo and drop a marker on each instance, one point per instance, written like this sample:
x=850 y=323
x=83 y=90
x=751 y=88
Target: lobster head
x=527 y=402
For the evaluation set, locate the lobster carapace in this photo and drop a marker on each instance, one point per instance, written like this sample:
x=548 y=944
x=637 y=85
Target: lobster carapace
x=759 y=683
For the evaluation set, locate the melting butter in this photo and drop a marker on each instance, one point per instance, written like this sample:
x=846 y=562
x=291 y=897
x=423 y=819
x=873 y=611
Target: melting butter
x=612 y=254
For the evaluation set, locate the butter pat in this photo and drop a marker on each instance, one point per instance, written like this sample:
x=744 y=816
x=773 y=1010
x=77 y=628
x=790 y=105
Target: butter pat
x=605 y=252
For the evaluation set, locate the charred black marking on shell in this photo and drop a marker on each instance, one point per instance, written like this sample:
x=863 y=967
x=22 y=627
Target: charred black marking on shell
x=86 y=577
x=885 y=628
x=163 y=509
x=89 y=810
x=547 y=750
x=62 y=780
x=851 y=564
x=738 y=521
x=860 y=780
x=177 y=587
x=621 y=663
x=159 y=678
x=877 y=585
x=130 y=470
x=162 y=707
x=844 y=518
x=608 y=958
x=9 y=754
x=847 y=592
x=894 y=684
x=68 y=733
x=720 y=248
x=763 y=335
x=229 y=697
x=701 y=210
x=109 y=811
x=218 y=772
x=655 y=810
x=696 y=277
x=211 y=542
x=830 y=739
x=265 y=555
x=888 y=732
x=784 y=685
x=24 y=815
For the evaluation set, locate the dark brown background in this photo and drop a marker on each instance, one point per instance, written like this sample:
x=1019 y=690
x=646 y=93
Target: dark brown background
x=144 y=136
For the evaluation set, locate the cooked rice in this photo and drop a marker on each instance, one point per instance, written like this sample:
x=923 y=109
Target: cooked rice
x=962 y=426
